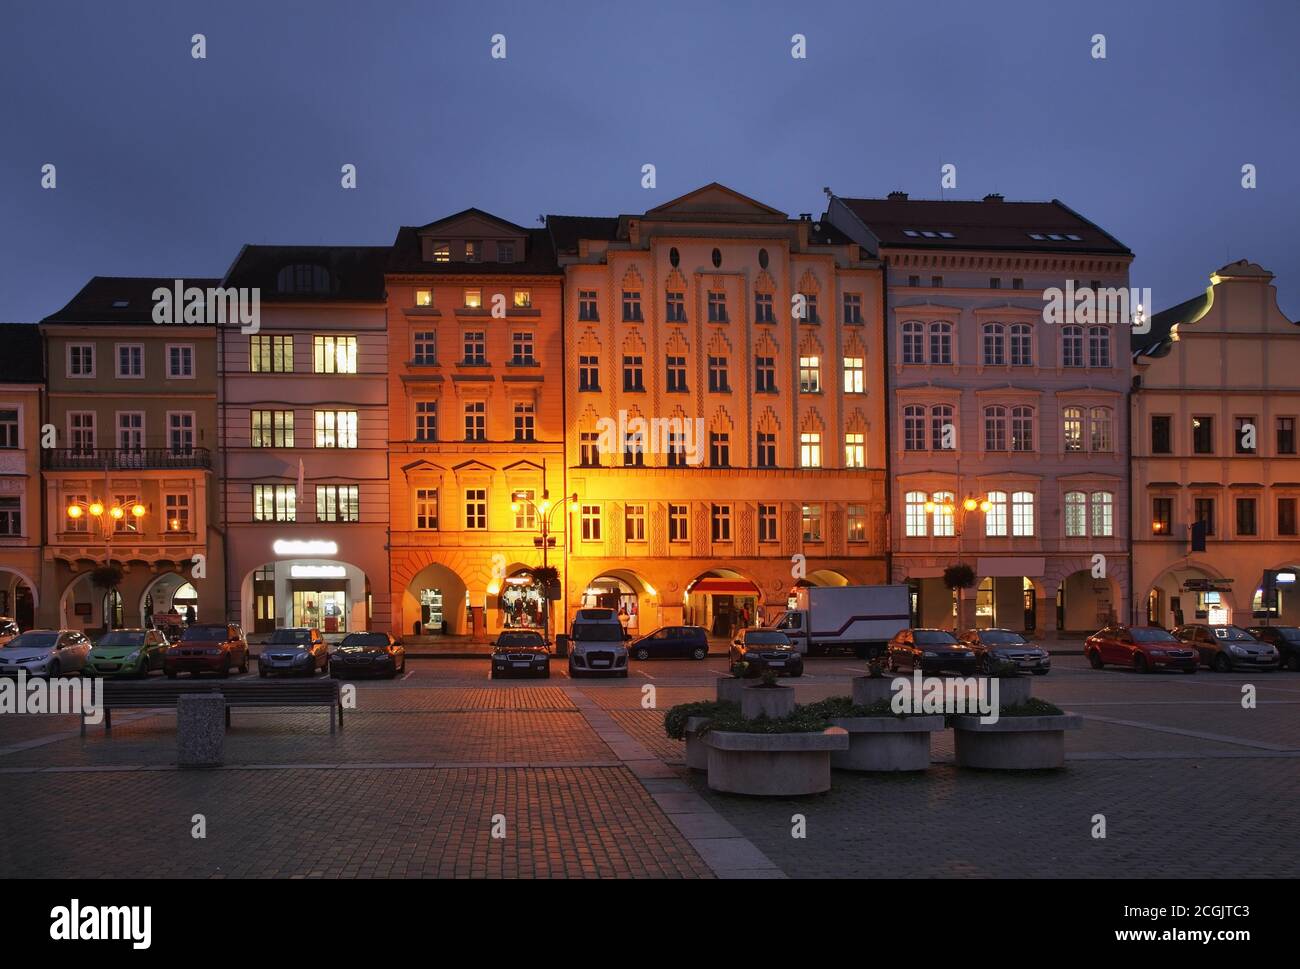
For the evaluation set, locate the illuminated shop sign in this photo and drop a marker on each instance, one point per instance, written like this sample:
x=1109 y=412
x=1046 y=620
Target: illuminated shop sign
x=318 y=572
x=286 y=546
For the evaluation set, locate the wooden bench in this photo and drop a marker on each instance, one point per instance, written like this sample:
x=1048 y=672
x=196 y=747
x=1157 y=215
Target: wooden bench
x=123 y=694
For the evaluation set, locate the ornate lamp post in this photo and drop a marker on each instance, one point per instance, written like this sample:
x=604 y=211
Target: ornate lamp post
x=968 y=504
x=102 y=522
x=542 y=512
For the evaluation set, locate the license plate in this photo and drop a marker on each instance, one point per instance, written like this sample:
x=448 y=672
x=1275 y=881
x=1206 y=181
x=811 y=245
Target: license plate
x=522 y=665
x=12 y=669
x=777 y=662
x=600 y=662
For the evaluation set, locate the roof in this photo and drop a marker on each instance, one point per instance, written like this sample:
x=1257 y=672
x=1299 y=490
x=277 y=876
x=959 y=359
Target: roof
x=23 y=359
x=355 y=273
x=119 y=300
x=566 y=230
x=1155 y=343
x=994 y=224
x=406 y=255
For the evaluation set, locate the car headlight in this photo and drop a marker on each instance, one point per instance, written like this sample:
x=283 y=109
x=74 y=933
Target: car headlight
x=928 y=653
x=1237 y=650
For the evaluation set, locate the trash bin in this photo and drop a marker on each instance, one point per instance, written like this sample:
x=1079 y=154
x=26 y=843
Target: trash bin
x=200 y=730
x=561 y=645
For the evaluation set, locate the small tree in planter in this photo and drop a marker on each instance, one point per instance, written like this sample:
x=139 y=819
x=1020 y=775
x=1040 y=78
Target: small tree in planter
x=958 y=577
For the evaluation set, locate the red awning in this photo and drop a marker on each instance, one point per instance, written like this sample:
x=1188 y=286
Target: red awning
x=739 y=587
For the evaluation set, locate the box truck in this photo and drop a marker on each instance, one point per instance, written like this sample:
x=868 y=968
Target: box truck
x=857 y=618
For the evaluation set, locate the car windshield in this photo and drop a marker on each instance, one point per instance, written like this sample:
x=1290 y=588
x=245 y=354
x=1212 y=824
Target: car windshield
x=121 y=639
x=1232 y=634
x=33 y=640
x=598 y=632
x=519 y=639
x=596 y=615
x=934 y=637
x=286 y=637
x=766 y=638
x=1149 y=634
x=364 y=639
x=205 y=634
x=1001 y=637
x=1288 y=632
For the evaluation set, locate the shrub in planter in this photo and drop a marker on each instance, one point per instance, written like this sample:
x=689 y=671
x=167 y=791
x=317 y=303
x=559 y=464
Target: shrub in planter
x=783 y=757
x=676 y=717
x=1013 y=684
x=879 y=738
x=1026 y=736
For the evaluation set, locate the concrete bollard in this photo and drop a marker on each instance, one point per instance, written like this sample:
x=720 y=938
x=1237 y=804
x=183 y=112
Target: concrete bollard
x=200 y=730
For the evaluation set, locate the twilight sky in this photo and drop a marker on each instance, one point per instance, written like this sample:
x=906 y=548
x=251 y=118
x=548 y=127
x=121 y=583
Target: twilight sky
x=166 y=164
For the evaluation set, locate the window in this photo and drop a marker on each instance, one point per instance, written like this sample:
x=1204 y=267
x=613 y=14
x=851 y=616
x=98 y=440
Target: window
x=81 y=360
x=338 y=503
x=995 y=428
x=1076 y=525
x=590 y=523
x=130 y=432
x=441 y=252
x=336 y=428
x=995 y=282
x=941 y=343
x=718 y=380
x=76 y=524
x=475 y=344
x=678 y=524
x=675 y=308
x=473 y=251
x=995 y=519
x=1099 y=346
x=81 y=432
x=1245 y=435
x=633 y=449
x=589 y=373
x=1286 y=435
x=1203 y=434
x=913 y=428
x=8 y=429
x=1246 y=516
x=631 y=306
x=856 y=519
x=913 y=342
x=1099 y=429
x=1017 y=283
x=274 y=503
x=634 y=523
x=271 y=428
x=809 y=309
x=763 y=312
x=1162 y=516
x=676 y=449
x=1203 y=511
x=335 y=354
x=914 y=280
x=1022 y=428
x=1072 y=428
x=130 y=360
x=943 y=432
x=1286 y=516
x=721 y=522
x=11 y=516
x=524 y=503
x=810 y=375
x=810 y=449
x=475 y=509
x=1022 y=513
x=525 y=421
x=719 y=449
x=633 y=373
x=270 y=354
x=587 y=306
x=812 y=523
x=675 y=370
x=506 y=252
x=425 y=348
x=717 y=307
x=523 y=298
x=1162 y=435
x=944 y=505
x=855 y=375
x=766 y=523
x=765 y=375
x=853 y=308
x=589 y=449
x=426 y=508
x=303 y=278
x=914 y=514
x=426 y=421
x=855 y=450
x=178 y=513
x=1071 y=346
x=995 y=345
x=180 y=433
x=1022 y=345
x=180 y=361
x=473 y=299
x=765 y=449
x=521 y=349
x=1103 y=513
x=424 y=297
x=476 y=420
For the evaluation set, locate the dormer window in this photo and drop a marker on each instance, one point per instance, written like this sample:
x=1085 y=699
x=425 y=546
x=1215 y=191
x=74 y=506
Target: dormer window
x=303 y=278
x=441 y=252
x=424 y=297
x=505 y=252
x=473 y=251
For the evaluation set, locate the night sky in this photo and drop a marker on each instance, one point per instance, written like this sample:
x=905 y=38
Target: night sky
x=167 y=164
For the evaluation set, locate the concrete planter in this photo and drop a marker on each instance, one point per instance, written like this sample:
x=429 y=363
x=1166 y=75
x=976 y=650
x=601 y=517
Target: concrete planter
x=1014 y=690
x=729 y=689
x=773 y=702
x=1013 y=743
x=886 y=743
x=697 y=753
x=868 y=690
x=773 y=765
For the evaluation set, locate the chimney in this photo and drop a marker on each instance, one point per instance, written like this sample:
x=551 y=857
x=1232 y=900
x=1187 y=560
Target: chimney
x=898 y=196
x=993 y=197
x=805 y=216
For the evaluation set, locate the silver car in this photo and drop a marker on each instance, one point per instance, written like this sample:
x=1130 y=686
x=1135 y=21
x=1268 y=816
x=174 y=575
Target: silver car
x=45 y=652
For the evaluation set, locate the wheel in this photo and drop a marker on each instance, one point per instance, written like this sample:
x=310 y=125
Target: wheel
x=1190 y=670
x=1222 y=664
x=623 y=675
x=573 y=674
x=800 y=673
x=1040 y=672
x=54 y=670
x=403 y=669
x=243 y=666
x=224 y=672
x=1140 y=664
x=642 y=653
x=261 y=671
x=1094 y=660
x=1293 y=663
x=700 y=652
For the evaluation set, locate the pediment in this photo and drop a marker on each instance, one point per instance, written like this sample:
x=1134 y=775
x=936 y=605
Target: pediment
x=716 y=200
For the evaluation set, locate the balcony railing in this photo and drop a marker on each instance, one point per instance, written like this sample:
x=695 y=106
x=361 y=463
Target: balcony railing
x=137 y=459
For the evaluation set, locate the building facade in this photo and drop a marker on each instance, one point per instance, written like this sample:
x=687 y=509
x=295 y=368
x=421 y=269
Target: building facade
x=476 y=452
x=1008 y=431
x=22 y=378
x=1215 y=409
x=304 y=441
x=129 y=529
x=725 y=414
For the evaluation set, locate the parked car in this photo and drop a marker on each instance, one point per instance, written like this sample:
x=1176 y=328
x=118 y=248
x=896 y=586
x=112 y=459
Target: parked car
x=1285 y=639
x=127 y=652
x=520 y=651
x=1140 y=648
x=208 y=647
x=1006 y=646
x=299 y=650
x=930 y=651
x=45 y=652
x=8 y=629
x=368 y=654
x=1227 y=648
x=671 y=641
x=765 y=649
x=596 y=644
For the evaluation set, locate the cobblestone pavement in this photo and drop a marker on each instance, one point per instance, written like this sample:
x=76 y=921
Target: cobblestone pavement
x=587 y=784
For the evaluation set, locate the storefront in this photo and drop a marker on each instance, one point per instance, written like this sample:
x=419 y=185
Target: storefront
x=611 y=592
x=522 y=603
x=333 y=597
x=722 y=604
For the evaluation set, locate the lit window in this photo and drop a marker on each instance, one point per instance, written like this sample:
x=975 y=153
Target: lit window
x=473 y=299
x=335 y=354
x=812 y=523
x=810 y=449
x=1076 y=510
x=855 y=450
x=338 y=503
x=523 y=298
x=336 y=428
x=810 y=375
x=424 y=297
x=854 y=375
x=914 y=514
x=1022 y=513
x=995 y=519
x=1103 y=513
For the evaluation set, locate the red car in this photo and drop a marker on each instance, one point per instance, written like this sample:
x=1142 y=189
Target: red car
x=1140 y=648
x=207 y=648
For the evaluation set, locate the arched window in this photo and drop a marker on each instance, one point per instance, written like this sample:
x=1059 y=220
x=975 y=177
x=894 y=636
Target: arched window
x=1099 y=430
x=1071 y=346
x=995 y=519
x=913 y=342
x=943 y=432
x=995 y=428
x=914 y=427
x=995 y=345
x=1075 y=514
x=1022 y=513
x=303 y=278
x=1099 y=346
x=1072 y=428
x=914 y=505
x=941 y=342
x=1022 y=346
x=1022 y=428
x=1103 y=513
x=943 y=513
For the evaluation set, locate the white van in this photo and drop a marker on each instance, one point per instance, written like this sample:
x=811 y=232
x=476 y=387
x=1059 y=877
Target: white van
x=597 y=644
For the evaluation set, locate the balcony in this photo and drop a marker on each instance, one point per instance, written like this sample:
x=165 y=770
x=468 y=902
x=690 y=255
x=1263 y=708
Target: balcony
x=132 y=459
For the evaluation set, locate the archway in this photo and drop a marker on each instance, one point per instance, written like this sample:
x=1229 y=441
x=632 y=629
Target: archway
x=932 y=605
x=18 y=598
x=828 y=577
x=1288 y=597
x=1006 y=602
x=722 y=601
x=520 y=601
x=629 y=595
x=323 y=594
x=1085 y=604
x=436 y=602
x=171 y=590
x=1187 y=593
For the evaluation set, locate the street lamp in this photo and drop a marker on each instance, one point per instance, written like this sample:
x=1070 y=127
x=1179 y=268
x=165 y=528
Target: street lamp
x=542 y=511
x=968 y=504
x=105 y=523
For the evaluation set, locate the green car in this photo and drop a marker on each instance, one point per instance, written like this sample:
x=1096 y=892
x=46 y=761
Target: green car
x=127 y=652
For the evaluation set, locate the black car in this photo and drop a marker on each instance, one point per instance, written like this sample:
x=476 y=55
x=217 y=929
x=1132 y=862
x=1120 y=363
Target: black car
x=684 y=641
x=765 y=649
x=1285 y=639
x=1007 y=646
x=1227 y=648
x=521 y=652
x=930 y=651
x=368 y=654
